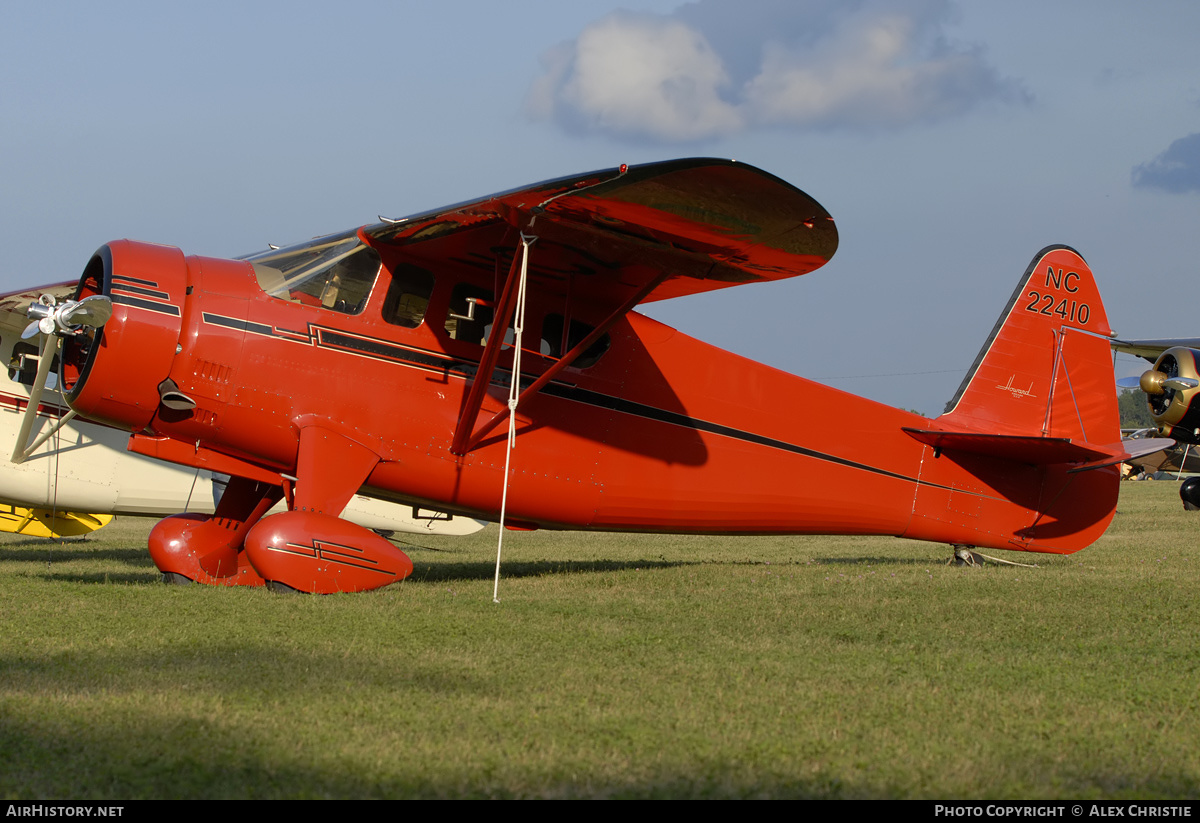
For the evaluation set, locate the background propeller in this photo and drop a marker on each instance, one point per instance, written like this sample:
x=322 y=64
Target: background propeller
x=1155 y=382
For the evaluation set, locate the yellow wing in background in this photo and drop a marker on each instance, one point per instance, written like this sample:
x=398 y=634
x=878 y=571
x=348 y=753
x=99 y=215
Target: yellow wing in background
x=47 y=523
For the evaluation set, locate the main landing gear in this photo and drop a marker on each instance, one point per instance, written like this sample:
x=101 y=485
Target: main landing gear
x=306 y=549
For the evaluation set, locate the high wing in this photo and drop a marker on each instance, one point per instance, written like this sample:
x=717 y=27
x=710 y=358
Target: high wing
x=603 y=236
x=1151 y=349
x=13 y=304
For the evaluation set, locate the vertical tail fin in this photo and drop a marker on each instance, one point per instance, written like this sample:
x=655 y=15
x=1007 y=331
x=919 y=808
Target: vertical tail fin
x=1046 y=370
x=1024 y=457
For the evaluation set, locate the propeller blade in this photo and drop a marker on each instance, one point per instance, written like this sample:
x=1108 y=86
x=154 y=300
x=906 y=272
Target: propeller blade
x=1181 y=383
x=91 y=311
x=1130 y=382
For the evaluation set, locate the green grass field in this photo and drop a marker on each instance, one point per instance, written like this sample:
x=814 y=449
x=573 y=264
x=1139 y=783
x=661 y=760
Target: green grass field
x=615 y=666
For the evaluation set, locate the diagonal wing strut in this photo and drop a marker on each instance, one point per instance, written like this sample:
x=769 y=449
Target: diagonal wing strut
x=491 y=352
x=466 y=436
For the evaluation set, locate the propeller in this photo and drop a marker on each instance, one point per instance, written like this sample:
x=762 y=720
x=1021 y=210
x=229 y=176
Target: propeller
x=1155 y=382
x=54 y=320
x=67 y=317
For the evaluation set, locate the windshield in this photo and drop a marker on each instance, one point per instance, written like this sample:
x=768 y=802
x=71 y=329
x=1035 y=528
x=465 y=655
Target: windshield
x=334 y=272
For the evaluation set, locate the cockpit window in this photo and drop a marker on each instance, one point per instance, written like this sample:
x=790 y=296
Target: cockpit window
x=335 y=272
x=408 y=296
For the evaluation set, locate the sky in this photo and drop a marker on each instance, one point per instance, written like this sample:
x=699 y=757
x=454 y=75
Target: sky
x=950 y=142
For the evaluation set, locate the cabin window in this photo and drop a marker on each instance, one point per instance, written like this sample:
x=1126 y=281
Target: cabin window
x=408 y=296
x=470 y=315
x=335 y=272
x=554 y=345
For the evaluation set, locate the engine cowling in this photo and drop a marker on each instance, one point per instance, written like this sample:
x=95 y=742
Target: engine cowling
x=112 y=373
x=1172 y=388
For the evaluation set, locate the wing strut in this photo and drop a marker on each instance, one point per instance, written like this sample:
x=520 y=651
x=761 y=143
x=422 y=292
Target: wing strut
x=1060 y=337
x=567 y=359
x=23 y=447
x=491 y=352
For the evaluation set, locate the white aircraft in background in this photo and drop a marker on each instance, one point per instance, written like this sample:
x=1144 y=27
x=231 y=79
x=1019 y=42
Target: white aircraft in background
x=81 y=474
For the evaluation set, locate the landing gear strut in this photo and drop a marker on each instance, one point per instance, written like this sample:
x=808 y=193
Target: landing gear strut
x=963 y=556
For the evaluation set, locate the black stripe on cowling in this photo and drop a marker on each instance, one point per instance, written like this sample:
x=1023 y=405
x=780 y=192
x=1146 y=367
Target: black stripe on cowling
x=149 y=305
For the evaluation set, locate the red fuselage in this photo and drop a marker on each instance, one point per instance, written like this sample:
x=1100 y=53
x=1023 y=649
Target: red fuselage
x=659 y=432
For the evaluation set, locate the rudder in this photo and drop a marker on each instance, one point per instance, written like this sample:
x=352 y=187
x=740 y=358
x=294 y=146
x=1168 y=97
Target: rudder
x=1046 y=369
x=1028 y=446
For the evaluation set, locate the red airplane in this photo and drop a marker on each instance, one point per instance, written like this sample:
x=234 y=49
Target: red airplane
x=373 y=359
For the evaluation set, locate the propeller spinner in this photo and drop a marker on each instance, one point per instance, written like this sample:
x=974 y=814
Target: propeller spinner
x=1155 y=382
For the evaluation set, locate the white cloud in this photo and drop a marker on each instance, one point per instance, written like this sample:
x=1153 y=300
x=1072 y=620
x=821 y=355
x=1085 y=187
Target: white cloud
x=1175 y=170
x=639 y=75
x=717 y=67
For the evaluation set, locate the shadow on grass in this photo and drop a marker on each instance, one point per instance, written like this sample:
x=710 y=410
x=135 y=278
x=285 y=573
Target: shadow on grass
x=44 y=542
x=442 y=572
x=147 y=577
x=196 y=758
x=191 y=757
x=437 y=573
x=407 y=546
x=67 y=552
x=878 y=561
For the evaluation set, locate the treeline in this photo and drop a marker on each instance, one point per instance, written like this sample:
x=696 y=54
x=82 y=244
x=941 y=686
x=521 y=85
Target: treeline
x=1134 y=412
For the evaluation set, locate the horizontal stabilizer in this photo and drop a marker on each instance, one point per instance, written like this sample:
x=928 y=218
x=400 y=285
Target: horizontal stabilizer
x=1040 y=450
x=1023 y=449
